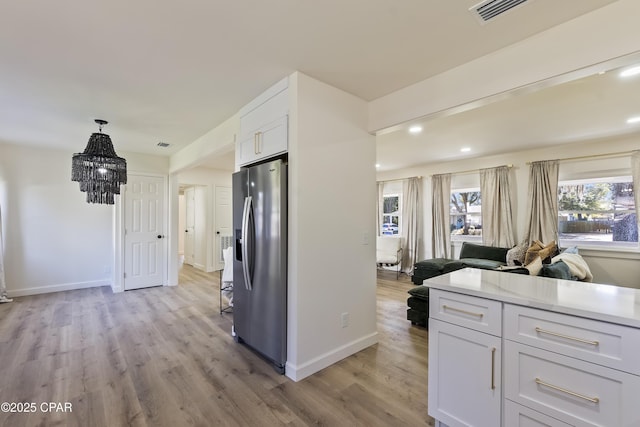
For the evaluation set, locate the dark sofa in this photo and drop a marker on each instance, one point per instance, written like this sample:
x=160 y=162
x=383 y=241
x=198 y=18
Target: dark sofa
x=474 y=256
x=471 y=255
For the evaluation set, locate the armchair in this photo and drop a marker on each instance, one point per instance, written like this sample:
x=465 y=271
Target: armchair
x=389 y=252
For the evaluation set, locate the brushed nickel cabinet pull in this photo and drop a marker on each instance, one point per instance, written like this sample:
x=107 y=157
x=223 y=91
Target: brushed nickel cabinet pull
x=256 y=137
x=555 y=334
x=470 y=313
x=569 y=392
x=493 y=368
x=259 y=139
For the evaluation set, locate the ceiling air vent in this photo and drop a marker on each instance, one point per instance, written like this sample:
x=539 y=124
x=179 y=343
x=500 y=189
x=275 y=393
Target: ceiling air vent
x=163 y=144
x=489 y=9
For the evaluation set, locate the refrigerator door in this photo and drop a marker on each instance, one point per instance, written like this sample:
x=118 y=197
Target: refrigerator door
x=260 y=264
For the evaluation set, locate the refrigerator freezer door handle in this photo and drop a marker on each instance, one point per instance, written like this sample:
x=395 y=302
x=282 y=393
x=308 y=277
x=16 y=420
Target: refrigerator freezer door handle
x=246 y=242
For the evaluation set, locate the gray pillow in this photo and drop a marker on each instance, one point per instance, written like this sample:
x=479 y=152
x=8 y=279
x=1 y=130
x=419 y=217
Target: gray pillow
x=557 y=270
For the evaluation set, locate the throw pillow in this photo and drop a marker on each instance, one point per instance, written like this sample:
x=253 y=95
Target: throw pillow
x=557 y=270
x=532 y=252
x=515 y=255
x=534 y=266
x=570 y=250
x=545 y=252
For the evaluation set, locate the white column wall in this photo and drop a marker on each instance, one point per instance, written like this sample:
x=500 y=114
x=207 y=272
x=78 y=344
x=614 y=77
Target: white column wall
x=332 y=206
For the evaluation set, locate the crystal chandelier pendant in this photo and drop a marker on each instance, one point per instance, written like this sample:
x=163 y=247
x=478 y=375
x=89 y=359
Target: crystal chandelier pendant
x=98 y=169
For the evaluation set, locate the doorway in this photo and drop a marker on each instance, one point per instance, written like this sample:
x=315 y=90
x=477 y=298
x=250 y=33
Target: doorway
x=144 y=232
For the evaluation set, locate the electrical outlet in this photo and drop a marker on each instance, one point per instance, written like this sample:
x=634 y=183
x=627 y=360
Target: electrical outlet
x=344 y=319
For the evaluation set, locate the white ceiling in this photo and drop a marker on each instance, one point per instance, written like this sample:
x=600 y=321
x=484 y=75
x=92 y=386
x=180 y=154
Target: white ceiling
x=589 y=108
x=170 y=71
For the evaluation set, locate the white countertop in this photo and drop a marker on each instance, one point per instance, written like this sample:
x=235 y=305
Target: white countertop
x=591 y=300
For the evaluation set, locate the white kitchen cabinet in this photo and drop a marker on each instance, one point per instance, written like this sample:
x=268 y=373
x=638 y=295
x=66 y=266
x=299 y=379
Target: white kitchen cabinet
x=464 y=364
x=520 y=416
x=577 y=392
x=566 y=353
x=562 y=366
x=266 y=141
x=264 y=126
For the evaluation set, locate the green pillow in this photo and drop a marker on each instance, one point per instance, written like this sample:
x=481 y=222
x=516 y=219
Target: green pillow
x=420 y=291
x=557 y=270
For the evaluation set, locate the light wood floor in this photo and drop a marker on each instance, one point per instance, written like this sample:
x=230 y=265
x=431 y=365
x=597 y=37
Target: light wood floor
x=164 y=357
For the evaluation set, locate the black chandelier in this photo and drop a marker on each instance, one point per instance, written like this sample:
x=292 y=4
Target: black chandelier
x=98 y=168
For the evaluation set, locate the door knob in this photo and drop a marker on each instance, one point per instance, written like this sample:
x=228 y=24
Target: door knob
x=160 y=236
x=217 y=232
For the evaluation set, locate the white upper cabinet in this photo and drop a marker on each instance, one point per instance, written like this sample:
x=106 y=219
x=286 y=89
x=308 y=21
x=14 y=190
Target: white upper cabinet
x=264 y=126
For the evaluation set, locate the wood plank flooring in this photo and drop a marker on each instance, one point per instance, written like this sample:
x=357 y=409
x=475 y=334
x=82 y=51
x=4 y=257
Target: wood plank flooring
x=164 y=357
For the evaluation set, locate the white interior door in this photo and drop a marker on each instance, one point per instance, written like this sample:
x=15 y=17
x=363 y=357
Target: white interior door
x=144 y=240
x=182 y=212
x=190 y=224
x=223 y=223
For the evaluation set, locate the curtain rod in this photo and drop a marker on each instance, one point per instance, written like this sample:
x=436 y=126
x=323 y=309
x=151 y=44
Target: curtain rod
x=401 y=179
x=474 y=170
x=592 y=156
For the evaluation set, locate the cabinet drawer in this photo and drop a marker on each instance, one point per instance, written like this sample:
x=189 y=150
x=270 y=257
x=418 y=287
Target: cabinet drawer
x=607 y=344
x=573 y=391
x=471 y=312
x=520 y=416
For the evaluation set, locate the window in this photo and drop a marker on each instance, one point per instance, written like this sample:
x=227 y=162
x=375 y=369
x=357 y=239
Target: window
x=466 y=213
x=391 y=214
x=598 y=212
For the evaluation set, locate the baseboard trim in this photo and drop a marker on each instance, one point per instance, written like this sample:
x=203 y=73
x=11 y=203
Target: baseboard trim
x=297 y=373
x=14 y=293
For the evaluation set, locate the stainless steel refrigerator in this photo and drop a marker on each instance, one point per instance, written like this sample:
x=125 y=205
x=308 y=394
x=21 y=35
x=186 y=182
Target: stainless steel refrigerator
x=260 y=260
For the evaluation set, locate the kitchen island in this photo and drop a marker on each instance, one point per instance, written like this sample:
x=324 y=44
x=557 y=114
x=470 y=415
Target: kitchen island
x=513 y=350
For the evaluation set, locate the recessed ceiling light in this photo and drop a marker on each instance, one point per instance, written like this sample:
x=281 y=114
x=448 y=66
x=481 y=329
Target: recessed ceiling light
x=415 y=129
x=377 y=165
x=630 y=71
x=465 y=149
x=633 y=120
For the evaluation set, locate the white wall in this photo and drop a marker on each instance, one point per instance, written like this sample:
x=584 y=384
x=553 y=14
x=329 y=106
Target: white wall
x=205 y=180
x=614 y=267
x=332 y=205
x=219 y=140
x=54 y=240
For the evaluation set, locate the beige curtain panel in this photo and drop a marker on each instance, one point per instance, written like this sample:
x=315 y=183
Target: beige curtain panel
x=441 y=193
x=543 y=202
x=410 y=222
x=380 y=206
x=497 y=214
